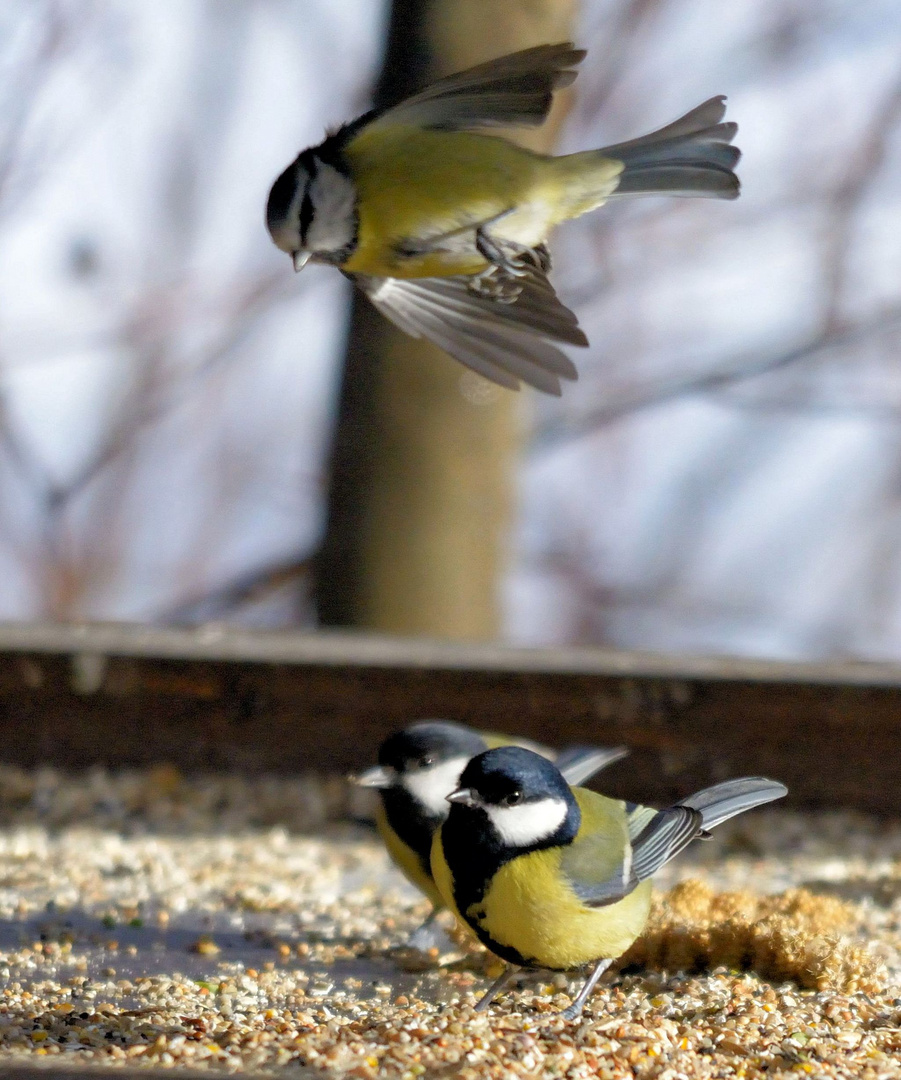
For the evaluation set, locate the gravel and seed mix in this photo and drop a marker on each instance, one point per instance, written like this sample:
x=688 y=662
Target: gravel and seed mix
x=154 y=919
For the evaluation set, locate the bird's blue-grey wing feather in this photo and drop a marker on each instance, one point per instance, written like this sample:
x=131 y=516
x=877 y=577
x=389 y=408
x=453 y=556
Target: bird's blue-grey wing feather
x=667 y=833
x=511 y=90
x=653 y=837
x=670 y=831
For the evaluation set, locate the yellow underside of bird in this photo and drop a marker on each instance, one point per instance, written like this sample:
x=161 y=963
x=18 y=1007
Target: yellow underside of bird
x=406 y=859
x=422 y=194
x=531 y=907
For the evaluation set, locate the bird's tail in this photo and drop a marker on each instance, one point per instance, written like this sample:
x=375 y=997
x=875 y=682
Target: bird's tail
x=691 y=156
x=722 y=801
x=659 y=836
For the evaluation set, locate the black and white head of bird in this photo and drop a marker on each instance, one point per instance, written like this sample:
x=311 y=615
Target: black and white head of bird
x=424 y=760
x=312 y=211
x=522 y=795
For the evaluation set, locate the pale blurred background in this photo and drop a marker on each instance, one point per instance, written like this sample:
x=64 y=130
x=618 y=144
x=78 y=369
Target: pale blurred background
x=724 y=478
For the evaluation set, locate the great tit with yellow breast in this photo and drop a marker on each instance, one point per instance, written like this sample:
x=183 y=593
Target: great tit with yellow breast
x=548 y=876
x=445 y=227
x=420 y=766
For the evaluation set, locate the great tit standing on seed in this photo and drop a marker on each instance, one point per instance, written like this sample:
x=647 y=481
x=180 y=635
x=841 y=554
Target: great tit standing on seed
x=445 y=228
x=420 y=766
x=548 y=876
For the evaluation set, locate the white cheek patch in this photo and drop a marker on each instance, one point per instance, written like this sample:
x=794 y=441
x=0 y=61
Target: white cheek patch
x=432 y=786
x=334 y=199
x=527 y=823
x=286 y=237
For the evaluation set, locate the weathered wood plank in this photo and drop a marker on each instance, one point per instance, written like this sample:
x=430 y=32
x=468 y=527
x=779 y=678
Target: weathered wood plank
x=224 y=698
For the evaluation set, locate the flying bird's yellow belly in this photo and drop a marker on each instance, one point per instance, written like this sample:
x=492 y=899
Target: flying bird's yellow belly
x=422 y=195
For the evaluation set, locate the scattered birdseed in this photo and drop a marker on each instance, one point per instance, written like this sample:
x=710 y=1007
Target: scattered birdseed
x=216 y=923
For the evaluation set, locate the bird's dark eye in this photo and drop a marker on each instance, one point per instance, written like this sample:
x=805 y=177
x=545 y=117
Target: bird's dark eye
x=513 y=798
x=425 y=761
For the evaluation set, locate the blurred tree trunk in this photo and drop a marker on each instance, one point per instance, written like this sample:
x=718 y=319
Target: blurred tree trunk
x=422 y=481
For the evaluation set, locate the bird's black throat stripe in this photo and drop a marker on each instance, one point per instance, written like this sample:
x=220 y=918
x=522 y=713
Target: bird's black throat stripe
x=412 y=823
x=474 y=864
x=310 y=164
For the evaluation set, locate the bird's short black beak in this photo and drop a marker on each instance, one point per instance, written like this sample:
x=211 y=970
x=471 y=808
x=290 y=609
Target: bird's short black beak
x=464 y=796
x=378 y=777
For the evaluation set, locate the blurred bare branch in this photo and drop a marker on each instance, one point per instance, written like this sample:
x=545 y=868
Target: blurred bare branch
x=623 y=23
x=157 y=390
x=173 y=329
x=843 y=204
x=248 y=589
x=41 y=36
x=721 y=377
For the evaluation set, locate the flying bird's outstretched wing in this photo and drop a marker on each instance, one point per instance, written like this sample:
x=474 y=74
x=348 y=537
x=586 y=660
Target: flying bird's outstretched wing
x=511 y=90
x=505 y=342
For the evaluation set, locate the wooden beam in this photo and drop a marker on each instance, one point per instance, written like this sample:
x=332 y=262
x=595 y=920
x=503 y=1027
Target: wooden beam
x=219 y=698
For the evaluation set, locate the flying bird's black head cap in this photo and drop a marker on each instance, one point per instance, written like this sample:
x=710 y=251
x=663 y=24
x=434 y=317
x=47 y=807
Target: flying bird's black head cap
x=281 y=195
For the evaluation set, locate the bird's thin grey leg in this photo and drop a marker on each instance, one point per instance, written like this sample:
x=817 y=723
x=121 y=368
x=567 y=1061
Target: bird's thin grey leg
x=426 y=923
x=590 y=983
x=496 y=987
x=422 y=936
x=497 y=253
x=509 y=264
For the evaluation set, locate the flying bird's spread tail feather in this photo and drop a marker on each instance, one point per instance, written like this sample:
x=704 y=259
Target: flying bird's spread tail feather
x=692 y=156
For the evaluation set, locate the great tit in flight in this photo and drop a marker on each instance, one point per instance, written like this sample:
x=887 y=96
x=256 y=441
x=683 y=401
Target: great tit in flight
x=444 y=226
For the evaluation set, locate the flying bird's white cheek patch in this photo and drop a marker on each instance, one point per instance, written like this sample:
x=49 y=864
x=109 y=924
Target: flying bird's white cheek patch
x=334 y=199
x=527 y=823
x=286 y=237
x=431 y=786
